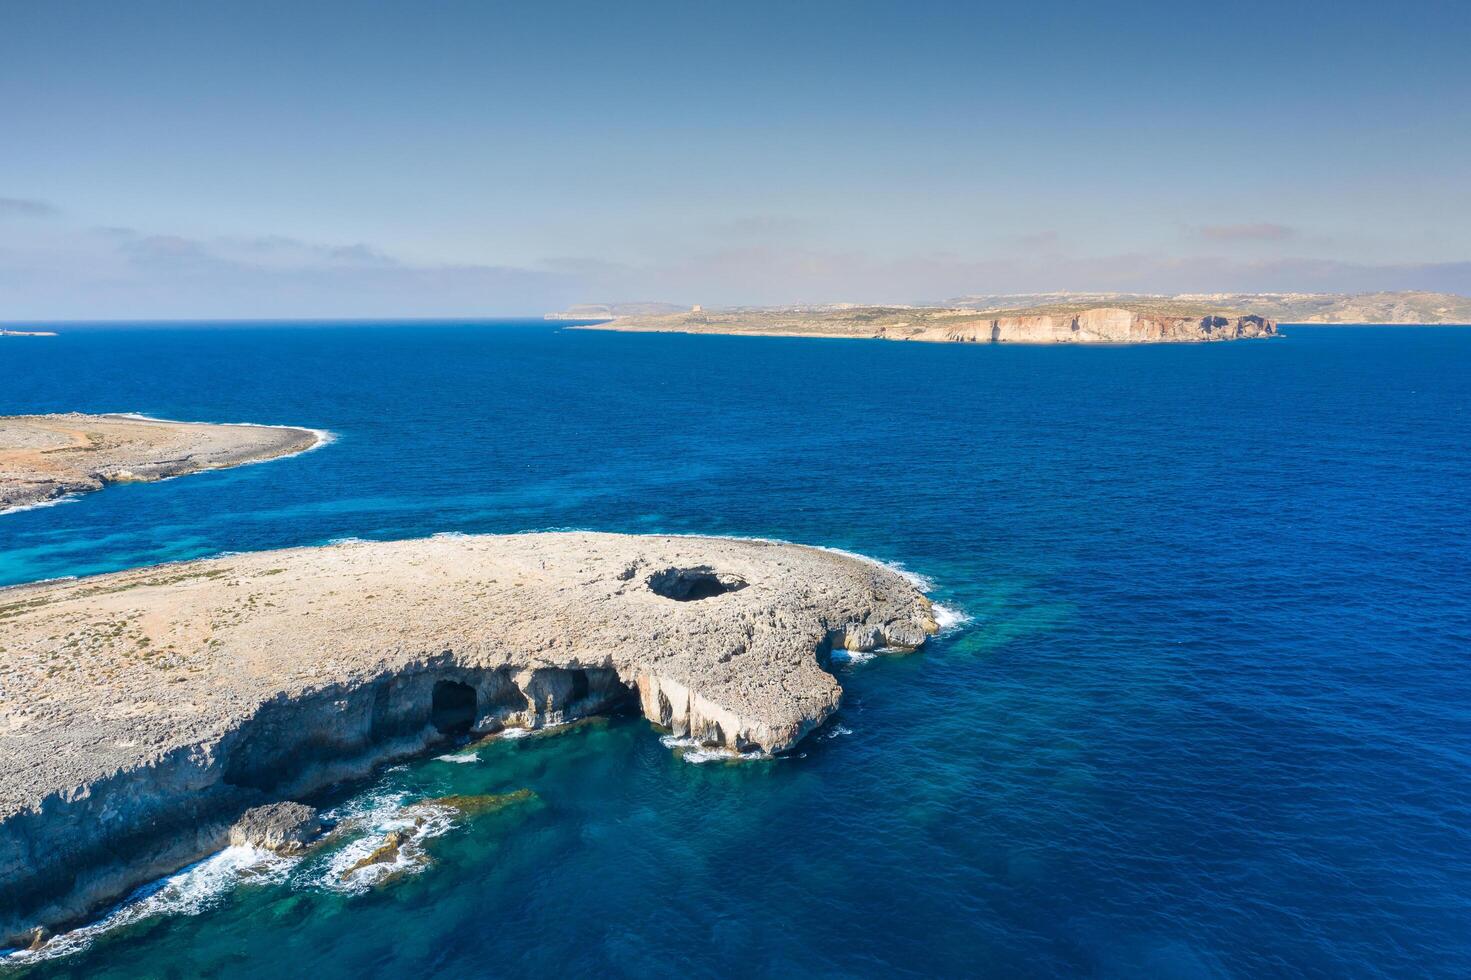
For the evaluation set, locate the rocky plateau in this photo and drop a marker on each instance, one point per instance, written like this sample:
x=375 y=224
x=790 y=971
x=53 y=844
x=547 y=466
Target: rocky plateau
x=146 y=713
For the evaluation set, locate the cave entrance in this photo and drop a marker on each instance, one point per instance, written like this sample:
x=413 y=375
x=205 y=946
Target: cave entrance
x=453 y=708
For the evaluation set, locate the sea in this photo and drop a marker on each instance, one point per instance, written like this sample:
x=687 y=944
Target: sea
x=1202 y=707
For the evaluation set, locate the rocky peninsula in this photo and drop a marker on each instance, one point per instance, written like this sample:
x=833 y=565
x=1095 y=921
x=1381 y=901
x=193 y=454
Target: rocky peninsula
x=143 y=712
x=1064 y=324
x=43 y=457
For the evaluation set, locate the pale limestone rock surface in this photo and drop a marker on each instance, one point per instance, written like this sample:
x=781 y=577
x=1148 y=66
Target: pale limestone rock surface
x=285 y=828
x=142 y=712
x=43 y=457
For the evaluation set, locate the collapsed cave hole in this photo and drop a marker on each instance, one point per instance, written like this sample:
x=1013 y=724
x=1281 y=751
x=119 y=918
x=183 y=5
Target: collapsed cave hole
x=699 y=582
x=452 y=708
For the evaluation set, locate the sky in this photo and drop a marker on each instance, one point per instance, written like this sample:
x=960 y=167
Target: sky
x=334 y=159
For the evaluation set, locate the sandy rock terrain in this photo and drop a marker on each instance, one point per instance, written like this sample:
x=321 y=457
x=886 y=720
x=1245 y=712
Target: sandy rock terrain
x=142 y=712
x=43 y=457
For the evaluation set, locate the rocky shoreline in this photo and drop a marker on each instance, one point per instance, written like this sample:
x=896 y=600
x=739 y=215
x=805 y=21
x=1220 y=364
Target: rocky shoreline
x=143 y=712
x=45 y=457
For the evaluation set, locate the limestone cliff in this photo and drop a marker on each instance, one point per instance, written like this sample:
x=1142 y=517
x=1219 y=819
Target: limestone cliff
x=1100 y=326
x=142 y=712
x=1054 y=325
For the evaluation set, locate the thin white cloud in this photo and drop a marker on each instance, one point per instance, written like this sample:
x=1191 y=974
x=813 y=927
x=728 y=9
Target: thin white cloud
x=770 y=276
x=123 y=274
x=1038 y=240
x=23 y=207
x=1263 y=231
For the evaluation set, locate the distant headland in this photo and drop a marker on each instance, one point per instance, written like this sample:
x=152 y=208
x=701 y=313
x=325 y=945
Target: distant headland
x=1062 y=324
x=1040 y=318
x=43 y=457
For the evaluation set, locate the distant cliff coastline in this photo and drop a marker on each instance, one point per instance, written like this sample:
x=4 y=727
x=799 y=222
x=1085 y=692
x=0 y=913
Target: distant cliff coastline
x=1054 y=325
x=1045 y=318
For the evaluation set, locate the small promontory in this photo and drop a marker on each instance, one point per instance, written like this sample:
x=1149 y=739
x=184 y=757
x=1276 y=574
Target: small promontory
x=43 y=457
x=143 y=712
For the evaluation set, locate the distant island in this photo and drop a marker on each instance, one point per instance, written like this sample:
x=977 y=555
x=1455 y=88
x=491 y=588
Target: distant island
x=43 y=457
x=1074 y=323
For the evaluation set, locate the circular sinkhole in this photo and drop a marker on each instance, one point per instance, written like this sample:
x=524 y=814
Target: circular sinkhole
x=699 y=582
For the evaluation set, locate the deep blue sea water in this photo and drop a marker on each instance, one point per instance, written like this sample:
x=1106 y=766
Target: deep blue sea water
x=1210 y=717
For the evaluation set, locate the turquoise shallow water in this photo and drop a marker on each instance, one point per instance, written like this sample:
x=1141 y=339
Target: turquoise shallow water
x=1208 y=718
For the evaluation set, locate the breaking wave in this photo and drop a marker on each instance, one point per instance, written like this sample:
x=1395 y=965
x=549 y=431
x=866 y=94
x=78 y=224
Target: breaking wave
x=187 y=892
x=691 y=750
x=463 y=758
x=66 y=498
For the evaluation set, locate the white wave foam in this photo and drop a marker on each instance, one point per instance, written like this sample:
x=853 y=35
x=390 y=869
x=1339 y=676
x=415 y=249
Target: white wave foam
x=187 y=892
x=691 y=750
x=66 y=498
x=921 y=582
x=853 y=656
x=463 y=758
x=837 y=731
x=517 y=732
x=378 y=815
x=950 y=619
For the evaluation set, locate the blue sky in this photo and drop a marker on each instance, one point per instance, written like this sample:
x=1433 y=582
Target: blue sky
x=435 y=158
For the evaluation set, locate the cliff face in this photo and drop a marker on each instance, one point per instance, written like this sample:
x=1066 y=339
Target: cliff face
x=1065 y=325
x=142 y=712
x=1101 y=326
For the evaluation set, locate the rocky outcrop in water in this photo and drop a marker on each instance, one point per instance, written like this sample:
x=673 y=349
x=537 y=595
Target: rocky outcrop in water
x=285 y=828
x=43 y=457
x=142 y=713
